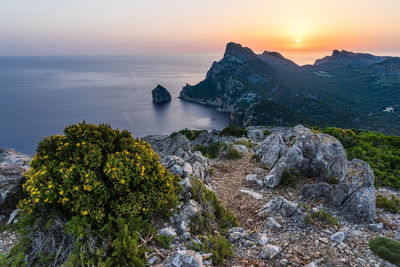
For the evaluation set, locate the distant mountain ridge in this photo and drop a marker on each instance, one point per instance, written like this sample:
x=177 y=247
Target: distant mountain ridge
x=345 y=89
x=350 y=59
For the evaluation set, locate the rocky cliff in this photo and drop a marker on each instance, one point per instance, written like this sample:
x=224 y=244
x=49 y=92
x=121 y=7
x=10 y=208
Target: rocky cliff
x=347 y=90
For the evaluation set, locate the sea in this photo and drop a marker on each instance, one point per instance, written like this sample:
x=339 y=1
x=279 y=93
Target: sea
x=41 y=95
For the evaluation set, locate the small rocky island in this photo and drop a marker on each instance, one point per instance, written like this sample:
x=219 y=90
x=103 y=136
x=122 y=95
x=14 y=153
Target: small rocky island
x=160 y=94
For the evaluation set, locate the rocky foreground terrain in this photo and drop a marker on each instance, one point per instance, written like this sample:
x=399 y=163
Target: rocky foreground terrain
x=278 y=225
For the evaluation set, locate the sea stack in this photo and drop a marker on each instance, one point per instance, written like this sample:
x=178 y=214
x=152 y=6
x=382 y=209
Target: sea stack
x=160 y=94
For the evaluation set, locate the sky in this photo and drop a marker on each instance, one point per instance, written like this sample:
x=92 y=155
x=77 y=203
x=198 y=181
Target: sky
x=55 y=27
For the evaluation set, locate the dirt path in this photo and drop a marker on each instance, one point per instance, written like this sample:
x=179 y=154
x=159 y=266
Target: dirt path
x=227 y=179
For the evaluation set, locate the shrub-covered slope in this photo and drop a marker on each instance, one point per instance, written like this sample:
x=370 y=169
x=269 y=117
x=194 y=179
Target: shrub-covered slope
x=347 y=90
x=381 y=151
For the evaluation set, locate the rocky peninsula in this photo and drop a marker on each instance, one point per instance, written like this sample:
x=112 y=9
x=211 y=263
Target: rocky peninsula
x=268 y=89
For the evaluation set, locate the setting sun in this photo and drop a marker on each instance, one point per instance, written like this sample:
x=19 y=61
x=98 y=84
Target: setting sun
x=298 y=40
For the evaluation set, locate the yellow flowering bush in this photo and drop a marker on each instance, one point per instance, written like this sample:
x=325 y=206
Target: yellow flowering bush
x=96 y=171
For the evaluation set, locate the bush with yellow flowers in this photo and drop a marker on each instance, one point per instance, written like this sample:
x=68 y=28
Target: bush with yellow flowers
x=96 y=172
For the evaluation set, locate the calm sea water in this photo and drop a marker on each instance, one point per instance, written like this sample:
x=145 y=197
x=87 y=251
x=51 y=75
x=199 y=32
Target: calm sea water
x=39 y=96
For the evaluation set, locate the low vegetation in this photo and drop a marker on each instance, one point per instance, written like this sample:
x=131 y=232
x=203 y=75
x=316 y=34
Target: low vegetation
x=219 y=246
x=211 y=151
x=266 y=132
x=213 y=215
x=215 y=150
x=190 y=134
x=231 y=153
x=245 y=142
x=289 y=178
x=325 y=217
x=333 y=180
x=321 y=217
x=165 y=240
x=386 y=248
x=382 y=152
x=389 y=204
x=91 y=195
x=233 y=131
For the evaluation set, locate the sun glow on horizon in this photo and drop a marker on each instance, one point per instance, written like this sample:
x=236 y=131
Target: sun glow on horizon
x=124 y=27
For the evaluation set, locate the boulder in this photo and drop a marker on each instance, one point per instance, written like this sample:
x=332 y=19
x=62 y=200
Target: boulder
x=184 y=258
x=288 y=209
x=263 y=240
x=338 y=237
x=271 y=149
x=176 y=155
x=269 y=251
x=272 y=223
x=360 y=206
x=12 y=167
x=355 y=195
x=311 y=154
x=178 y=145
x=323 y=157
x=255 y=134
x=319 y=190
x=160 y=94
x=359 y=175
x=187 y=212
x=376 y=227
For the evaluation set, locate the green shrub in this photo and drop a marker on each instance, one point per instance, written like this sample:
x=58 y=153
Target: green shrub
x=190 y=134
x=165 y=240
x=266 y=132
x=211 y=151
x=386 y=248
x=392 y=204
x=334 y=180
x=233 y=131
x=213 y=216
x=380 y=151
x=256 y=158
x=232 y=153
x=289 y=179
x=244 y=142
x=219 y=246
x=325 y=217
x=118 y=243
x=96 y=171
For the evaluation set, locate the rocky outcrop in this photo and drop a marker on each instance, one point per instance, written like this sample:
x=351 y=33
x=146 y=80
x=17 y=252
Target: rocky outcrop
x=160 y=94
x=175 y=155
x=12 y=167
x=288 y=209
x=298 y=148
x=164 y=145
x=323 y=157
x=320 y=190
x=184 y=258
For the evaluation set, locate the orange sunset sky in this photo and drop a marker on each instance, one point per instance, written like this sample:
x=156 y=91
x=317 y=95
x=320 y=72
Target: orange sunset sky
x=127 y=26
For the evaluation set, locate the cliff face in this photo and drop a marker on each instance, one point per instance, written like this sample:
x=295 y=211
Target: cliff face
x=348 y=90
